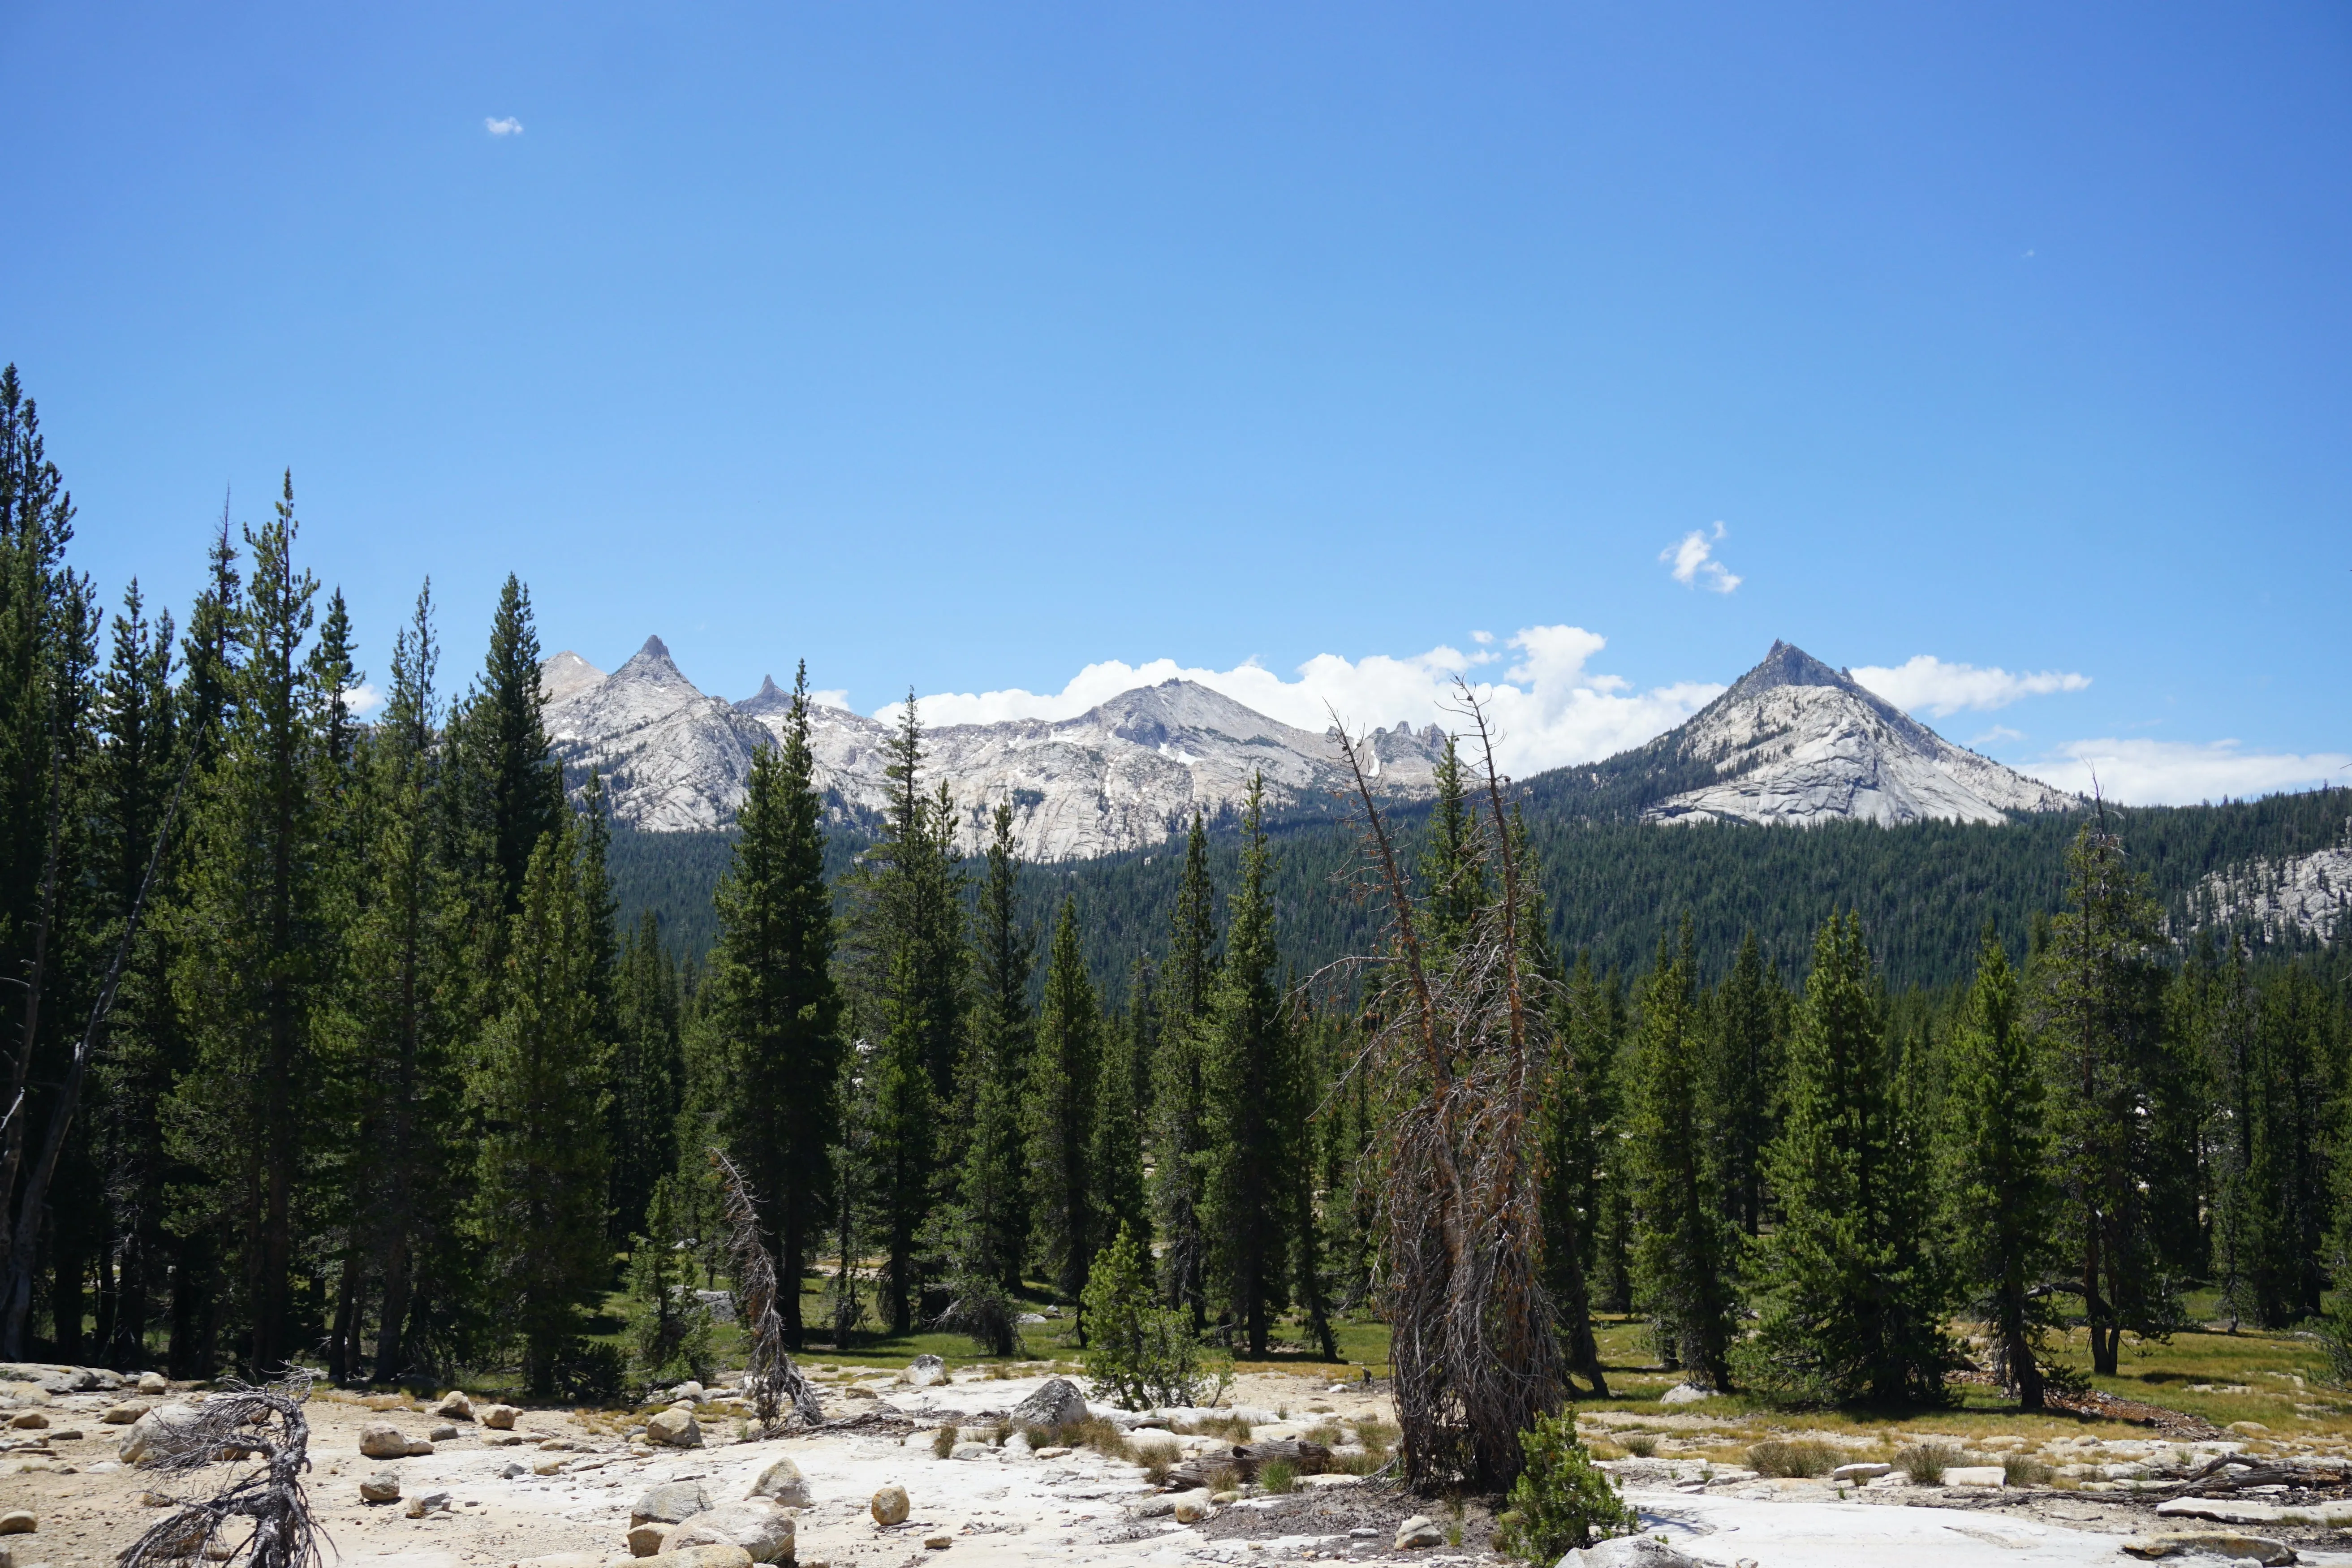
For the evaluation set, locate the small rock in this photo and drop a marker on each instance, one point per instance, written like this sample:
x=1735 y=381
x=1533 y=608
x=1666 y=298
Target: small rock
x=1031 y=1318
x=1190 y=1508
x=19 y=1522
x=970 y=1451
x=762 y=1528
x=153 y=1383
x=781 y=1482
x=938 y=1543
x=158 y=1499
x=1052 y=1452
x=674 y=1429
x=1685 y=1393
x=700 y=1557
x=670 y=1504
x=510 y=1470
x=29 y=1421
x=1418 y=1531
x=926 y=1370
x=454 y=1405
x=383 y=1440
x=691 y=1391
x=548 y=1464
x=890 y=1505
x=1057 y=1403
x=445 y=1434
x=382 y=1487
x=497 y=1417
x=644 y=1539
x=504 y=1439
x=122 y=1414
x=1867 y=1472
x=431 y=1503
x=1975 y=1475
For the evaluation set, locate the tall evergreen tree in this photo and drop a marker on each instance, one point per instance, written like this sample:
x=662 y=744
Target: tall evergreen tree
x=255 y=952
x=1746 y=1081
x=1856 y=1296
x=1063 y=1079
x=1116 y=1156
x=1453 y=869
x=1684 y=1255
x=776 y=1003
x=648 y=1077
x=2297 y=1068
x=537 y=1208
x=2005 y=1200
x=1180 y=1106
x=1253 y=1149
x=1569 y=1131
x=993 y=1219
x=2101 y=986
x=510 y=787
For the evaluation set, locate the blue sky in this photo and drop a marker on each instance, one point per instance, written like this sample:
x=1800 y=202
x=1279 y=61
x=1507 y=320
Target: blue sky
x=964 y=347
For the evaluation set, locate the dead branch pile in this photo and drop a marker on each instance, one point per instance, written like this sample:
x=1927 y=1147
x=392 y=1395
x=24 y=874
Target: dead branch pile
x=772 y=1379
x=236 y=1426
x=1458 y=1051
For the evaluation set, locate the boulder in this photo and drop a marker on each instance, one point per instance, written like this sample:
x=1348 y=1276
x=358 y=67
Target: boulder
x=781 y=1482
x=383 y=1440
x=669 y=1504
x=938 y=1542
x=890 y=1505
x=1418 y=1531
x=497 y=1417
x=674 y=1429
x=382 y=1487
x=153 y=1383
x=1685 y=1393
x=926 y=1370
x=122 y=1414
x=762 y=1529
x=1192 y=1507
x=971 y=1451
x=444 y=1434
x=139 y=1444
x=689 y=1391
x=20 y=1395
x=549 y=1464
x=1629 y=1551
x=19 y=1522
x=700 y=1557
x=29 y=1421
x=1057 y=1403
x=1864 y=1472
x=646 y=1539
x=1975 y=1475
x=454 y=1405
x=431 y=1503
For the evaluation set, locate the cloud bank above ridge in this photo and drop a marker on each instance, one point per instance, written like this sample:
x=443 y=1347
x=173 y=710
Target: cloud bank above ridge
x=1549 y=708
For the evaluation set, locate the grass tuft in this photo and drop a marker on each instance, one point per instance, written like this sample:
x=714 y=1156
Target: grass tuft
x=943 y=1442
x=1801 y=1457
x=1278 y=1476
x=2025 y=1471
x=1926 y=1463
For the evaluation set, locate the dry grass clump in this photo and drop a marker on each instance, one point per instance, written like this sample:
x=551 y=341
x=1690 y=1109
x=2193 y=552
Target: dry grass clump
x=1278 y=1476
x=1643 y=1445
x=1157 y=1460
x=943 y=1442
x=1222 y=1478
x=1926 y=1463
x=1232 y=1428
x=2025 y=1471
x=1798 y=1456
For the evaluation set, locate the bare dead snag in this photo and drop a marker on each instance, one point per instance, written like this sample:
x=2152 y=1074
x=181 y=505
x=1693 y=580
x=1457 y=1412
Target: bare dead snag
x=771 y=1378
x=238 y=1427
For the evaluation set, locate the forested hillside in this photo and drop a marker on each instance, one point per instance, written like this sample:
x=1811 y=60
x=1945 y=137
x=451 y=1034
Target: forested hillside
x=1922 y=890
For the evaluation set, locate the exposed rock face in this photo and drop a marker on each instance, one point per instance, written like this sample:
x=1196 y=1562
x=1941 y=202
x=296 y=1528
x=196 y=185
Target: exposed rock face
x=2304 y=894
x=1796 y=742
x=1121 y=776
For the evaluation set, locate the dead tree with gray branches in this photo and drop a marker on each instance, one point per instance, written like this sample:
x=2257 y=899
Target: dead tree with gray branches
x=771 y=1379
x=1458 y=1053
x=263 y=1431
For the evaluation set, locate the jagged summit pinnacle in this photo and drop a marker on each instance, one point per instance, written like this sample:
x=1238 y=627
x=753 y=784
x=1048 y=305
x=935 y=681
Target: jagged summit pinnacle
x=655 y=648
x=1788 y=664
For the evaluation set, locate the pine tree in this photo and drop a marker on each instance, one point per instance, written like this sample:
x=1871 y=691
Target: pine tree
x=993 y=1221
x=1453 y=871
x=255 y=952
x=1857 y=1299
x=538 y=1210
x=1180 y=1110
x=1116 y=1159
x=510 y=788
x=2101 y=986
x=1746 y=1081
x=1253 y=1149
x=648 y=1078
x=2287 y=1175
x=1063 y=1073
x=1571 y=1155
x=2004 y=1201
x=776 y=1004
x=1684 y=1255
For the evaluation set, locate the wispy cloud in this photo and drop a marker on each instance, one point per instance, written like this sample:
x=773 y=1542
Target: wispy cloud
x=1926 y=681
x=507 y=126
x=2180 y=772
x=363 y=697
x=1550 y=709
x=1693 y=564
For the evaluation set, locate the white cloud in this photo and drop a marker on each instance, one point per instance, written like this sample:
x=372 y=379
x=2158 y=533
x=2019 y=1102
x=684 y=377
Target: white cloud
x=1925 y=681
x=829 y=698
x=2180 y=772
x=1694 y=565
x=509 y=126
x=1996 y=735
x=363 y=697
x=1549 y=709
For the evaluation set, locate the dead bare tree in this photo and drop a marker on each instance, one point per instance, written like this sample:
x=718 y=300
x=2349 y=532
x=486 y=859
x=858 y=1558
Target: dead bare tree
x=771 y=1379
x=235 y=1426
x=1458 y=1055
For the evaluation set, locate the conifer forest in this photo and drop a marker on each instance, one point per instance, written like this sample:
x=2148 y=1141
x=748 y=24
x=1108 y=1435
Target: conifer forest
x=364 y=1044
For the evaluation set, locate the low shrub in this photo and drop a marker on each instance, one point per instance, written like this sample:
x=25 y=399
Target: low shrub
x=1560 y=1502
x=1640 y=1444
x=1278 y=1476
x=1801 y=1457
x=1926 y=1463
